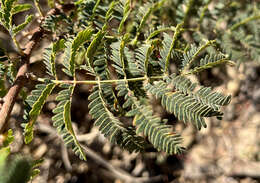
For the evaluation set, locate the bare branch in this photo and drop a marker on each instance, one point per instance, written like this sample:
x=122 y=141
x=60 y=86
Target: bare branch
x=115 y=171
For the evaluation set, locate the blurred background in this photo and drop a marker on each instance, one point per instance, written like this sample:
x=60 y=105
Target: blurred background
x=227 y=151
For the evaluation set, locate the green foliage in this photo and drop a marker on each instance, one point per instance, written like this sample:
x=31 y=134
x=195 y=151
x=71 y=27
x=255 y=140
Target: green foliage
x=49 y=57
x=71 y=48
x=20 y=27
x=110 y=126
x=9 y=138
x=137 y=69
x=3 y=70
x=10 y=8
x=35 y=103
x=185 y=103
x=130 y=56
x=62 y=119
x=16 y=168
x=124 y=8
x=236 y=28
x=21 y=8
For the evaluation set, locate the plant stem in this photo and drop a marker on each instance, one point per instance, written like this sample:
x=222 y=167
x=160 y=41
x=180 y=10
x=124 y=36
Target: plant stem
x=17 y=46
x=159 y=31
x=36 y=2
x=198 y=69
x=144 y=18
x=95 y=82
x=254 y=17
x=176 y=34
x=190 y=6
x=205 y=8
x=196 y=54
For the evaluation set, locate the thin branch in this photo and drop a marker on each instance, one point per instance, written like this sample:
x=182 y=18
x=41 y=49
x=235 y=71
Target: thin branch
x=21 y=77
x=245 y=21
x=115 y=171
x=178 y=31
x=187 y=14
x=119 y=173
x=16 y=43
x=195 y=56
x=36 y=3
x=65 y=157
x=95 y=82
x=205 y=8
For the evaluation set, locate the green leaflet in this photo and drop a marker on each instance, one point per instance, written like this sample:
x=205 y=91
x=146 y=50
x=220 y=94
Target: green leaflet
x=20 y=27
x=95 y=43
x=108 y=124
x=95 y=7
x=118 y=59
x=10 y=8
x=3 y=70
x=110 y=11
x=160 y=29
x=185 y=104
x=168 y=45
x=193 y=53
x=35 y=171
x=210 y=64
x=49 y=55
x=20 y=8
x=5 y=150
x=159 y=134
x=144 y=13
x=72 y=46
x=111 y=127
x=9 y=138
x=62 y=120
x=35 y=101
x=143 y=57
x=165 y=51
x=126 y=13
x=6 y=17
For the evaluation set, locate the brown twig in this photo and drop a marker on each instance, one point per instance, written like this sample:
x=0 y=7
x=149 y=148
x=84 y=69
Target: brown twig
x=65 y=157
x=114 y=171
x=21 y=78
x=119 y=173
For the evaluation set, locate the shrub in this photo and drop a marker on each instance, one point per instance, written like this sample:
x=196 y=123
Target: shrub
x=126 y=49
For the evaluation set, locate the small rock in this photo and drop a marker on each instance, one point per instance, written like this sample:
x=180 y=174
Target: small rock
x=189 y=136
x=232 y=72
x=40 y=151
x=233 y=86
x=225 y=179
x=16 y=109
x=230 y=113
x=106 y=148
